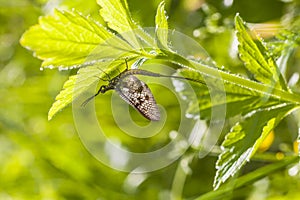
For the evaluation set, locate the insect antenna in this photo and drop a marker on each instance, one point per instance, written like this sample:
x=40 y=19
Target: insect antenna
x=108 y=77
x=102 y=88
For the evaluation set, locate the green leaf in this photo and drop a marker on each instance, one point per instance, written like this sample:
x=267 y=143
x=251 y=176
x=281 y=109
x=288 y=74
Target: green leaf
x=117 y=16
x=85 y=78
x=75 y=86
x=245 y=99
x=65 y=39
x=225 y=190
x=64 y=98
x=161 y=28
x=245 y=137
x=256 y=58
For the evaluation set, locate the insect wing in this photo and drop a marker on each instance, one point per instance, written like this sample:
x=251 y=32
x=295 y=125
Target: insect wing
x=136 y=93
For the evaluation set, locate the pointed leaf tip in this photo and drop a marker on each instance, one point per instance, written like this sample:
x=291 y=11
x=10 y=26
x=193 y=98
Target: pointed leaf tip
x=256 y=57
x=161 y=24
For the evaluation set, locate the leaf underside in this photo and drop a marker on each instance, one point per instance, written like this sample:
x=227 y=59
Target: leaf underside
x=69 y=40
x=65 y=39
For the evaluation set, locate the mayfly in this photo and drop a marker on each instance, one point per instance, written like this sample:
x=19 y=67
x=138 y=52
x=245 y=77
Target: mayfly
x=135 y=92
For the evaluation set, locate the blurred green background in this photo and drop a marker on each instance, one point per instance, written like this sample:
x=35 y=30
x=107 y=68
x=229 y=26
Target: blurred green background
x=42 y=159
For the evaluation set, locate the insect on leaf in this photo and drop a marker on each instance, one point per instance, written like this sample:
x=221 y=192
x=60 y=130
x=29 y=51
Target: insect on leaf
x=74 y=87
x=136 y=93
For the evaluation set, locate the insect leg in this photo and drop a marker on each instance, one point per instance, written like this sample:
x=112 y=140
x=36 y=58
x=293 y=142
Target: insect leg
x=126 y=64
x=108 y=77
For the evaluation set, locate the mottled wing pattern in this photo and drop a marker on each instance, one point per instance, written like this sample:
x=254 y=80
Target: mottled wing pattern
x=136 y=93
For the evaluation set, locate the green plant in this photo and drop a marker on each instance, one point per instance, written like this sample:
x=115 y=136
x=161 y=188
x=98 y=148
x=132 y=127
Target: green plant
x=66 y=39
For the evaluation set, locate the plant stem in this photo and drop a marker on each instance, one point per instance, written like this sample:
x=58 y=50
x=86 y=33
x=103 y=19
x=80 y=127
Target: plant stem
x=205 y=70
